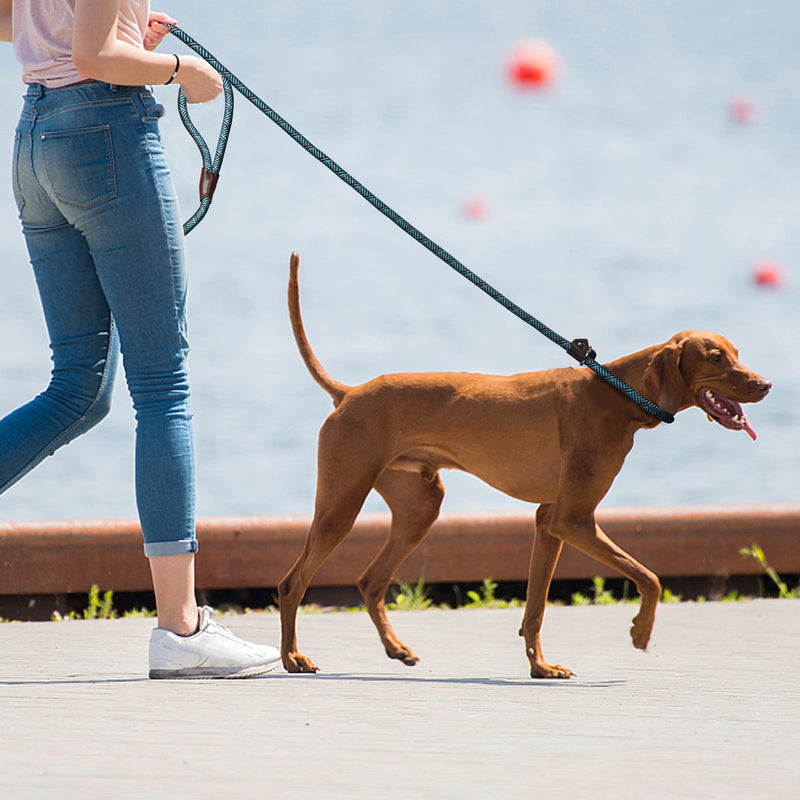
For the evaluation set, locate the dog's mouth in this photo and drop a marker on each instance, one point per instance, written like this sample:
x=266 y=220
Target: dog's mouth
x=725 y=411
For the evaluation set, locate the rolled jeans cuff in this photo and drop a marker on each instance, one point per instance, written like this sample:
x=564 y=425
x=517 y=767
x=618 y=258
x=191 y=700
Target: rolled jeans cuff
x=180 y=548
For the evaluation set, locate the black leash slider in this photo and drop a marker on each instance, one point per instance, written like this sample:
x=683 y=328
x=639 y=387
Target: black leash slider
x=580 y=350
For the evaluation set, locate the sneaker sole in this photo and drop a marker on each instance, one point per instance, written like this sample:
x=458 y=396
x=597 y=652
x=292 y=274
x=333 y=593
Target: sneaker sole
x=208 y=673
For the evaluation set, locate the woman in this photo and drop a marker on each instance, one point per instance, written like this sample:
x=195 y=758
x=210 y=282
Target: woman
x=102 y=228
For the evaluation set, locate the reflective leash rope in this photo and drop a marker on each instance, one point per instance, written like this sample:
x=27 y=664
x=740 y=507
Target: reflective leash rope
x=579 y=349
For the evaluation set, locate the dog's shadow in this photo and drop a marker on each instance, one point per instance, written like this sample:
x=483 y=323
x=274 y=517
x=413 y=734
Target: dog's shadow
x=460 y=681
x=338 y=677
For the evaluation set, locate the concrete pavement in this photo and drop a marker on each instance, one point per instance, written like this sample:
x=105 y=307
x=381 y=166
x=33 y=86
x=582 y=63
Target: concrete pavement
x=711 y=711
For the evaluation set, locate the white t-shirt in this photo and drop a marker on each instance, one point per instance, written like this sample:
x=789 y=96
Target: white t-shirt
x=42 y=34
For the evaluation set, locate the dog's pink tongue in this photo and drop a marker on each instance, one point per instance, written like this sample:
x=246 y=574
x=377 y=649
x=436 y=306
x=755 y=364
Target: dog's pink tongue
x=748 y=427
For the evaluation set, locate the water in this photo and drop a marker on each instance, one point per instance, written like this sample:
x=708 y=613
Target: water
x=625 y=206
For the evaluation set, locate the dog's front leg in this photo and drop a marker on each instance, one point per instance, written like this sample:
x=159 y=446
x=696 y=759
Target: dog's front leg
x=544 y=557
x=590 y=539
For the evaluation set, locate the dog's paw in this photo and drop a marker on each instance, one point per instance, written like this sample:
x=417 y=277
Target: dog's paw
x=403 y=654
x=295 y=662
x=542 y=670
x=640 y=632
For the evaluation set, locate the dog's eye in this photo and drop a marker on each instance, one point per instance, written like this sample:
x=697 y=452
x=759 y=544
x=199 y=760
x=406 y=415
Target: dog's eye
x=716 y=357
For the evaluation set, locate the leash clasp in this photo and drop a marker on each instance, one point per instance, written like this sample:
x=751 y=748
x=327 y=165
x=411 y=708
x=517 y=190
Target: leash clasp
x=581 y=350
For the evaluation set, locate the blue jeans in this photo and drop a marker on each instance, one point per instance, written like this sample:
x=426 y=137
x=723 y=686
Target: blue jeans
x=103 y=231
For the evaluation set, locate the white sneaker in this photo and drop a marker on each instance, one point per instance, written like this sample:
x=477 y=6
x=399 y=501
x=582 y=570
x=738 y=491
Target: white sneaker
x=212 y=652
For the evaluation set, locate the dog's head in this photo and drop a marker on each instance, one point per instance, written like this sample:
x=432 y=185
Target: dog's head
x=701 y=368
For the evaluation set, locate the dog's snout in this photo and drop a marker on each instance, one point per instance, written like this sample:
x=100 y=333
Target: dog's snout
x=762 y=385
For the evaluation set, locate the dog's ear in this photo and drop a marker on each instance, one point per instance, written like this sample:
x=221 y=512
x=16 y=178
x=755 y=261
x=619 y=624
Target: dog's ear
x=663 y=378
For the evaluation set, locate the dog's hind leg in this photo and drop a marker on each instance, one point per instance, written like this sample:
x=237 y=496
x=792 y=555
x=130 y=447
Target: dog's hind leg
x=327 y=530
x=414 y=499
x=340 y=495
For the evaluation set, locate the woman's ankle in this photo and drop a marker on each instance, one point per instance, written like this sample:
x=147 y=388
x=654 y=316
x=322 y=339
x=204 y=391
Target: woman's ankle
x=173 y=583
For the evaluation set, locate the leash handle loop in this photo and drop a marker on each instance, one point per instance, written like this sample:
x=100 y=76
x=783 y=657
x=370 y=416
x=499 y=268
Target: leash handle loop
x=209 y=175
x=587 y=357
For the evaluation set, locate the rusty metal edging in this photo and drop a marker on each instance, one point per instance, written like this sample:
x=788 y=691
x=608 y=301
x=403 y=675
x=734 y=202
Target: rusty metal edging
x=254 y=552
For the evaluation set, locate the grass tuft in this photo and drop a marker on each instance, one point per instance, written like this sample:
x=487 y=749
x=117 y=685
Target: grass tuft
x=410 y=597
x=756 y=552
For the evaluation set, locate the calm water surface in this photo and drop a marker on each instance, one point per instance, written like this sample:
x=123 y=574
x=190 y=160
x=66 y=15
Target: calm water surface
x=623 y=206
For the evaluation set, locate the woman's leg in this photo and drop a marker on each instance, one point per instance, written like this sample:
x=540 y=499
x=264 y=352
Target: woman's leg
x=96 y=158
x=83 y=343
x=79 y=323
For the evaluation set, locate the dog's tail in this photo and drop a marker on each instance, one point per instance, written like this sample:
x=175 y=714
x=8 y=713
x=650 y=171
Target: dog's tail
x=333 y=387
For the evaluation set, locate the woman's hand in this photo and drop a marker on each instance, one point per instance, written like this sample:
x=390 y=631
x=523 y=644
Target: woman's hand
x=200 y=81
x=156 y=29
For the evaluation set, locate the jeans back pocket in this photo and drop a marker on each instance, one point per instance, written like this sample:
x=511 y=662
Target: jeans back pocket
x=80 y=165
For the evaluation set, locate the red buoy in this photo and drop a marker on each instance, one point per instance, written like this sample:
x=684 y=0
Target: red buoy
x=769 y=273
x=534 y=64
x=475 y=208
x=742 y=110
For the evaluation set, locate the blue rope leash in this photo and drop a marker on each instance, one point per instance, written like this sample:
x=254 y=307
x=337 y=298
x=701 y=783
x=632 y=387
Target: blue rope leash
x=579 y=349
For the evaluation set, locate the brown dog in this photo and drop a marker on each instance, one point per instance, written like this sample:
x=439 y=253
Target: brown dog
x=556 y=437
